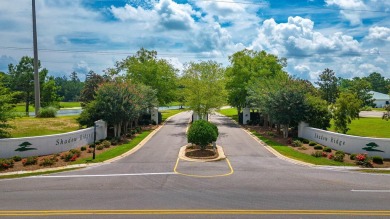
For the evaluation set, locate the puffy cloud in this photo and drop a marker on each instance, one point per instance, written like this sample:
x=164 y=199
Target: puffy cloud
x=298 y=38
x=351 y=9
x=379 y=33
x=131 y=13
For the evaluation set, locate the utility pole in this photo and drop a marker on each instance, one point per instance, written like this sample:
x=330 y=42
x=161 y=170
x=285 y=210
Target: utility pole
x=36 y=73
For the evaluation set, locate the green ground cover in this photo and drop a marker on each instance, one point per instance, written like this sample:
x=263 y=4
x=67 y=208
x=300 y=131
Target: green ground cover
x=31 y=126
x=70 y=104
x=375 y=171
x=291 y=153
x=115 y=151
x=168 y=113
x=36 y=173
x=230 y=112
x=368 y=127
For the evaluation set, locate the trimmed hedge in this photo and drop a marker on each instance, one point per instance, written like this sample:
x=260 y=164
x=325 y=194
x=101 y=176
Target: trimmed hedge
x=202 y=133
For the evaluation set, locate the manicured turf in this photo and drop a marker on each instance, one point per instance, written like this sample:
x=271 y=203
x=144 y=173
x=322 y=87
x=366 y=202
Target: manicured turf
x=31 y=126
x=21 y=108
x=231 y=112
x=115 y=151
x=291 y=153
x=368 y=127
x=70 y=104
x=168 y=113
x=375 y=171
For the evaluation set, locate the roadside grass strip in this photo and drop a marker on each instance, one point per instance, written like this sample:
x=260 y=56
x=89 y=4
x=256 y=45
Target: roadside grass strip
x=291 y=153
x=14 y=176
x=37 y=213
x=374 y=171
x=168 y=113
x=115 y=150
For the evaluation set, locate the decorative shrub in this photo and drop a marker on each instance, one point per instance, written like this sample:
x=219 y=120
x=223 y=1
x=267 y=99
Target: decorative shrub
x=74 y=157
x=48 y=112
x=326 y=149
x=363 y=160
x=271 y=134
x=83 y=148
x=48 y=161
x=202 y=133
x=305 y=141
x=330 y=156
x=99 y=147
x=312 y=143
x=106 y=144
x=75 y=151
x=6 y=163
x=30 y=161
x=302 y=148
x=377 y=159
x=296 y=143
x=316 y=154
x=339 y=157
x=352 y=156
x=318 y=147
x=324 y=154
x=340 y=152
x=16 y=158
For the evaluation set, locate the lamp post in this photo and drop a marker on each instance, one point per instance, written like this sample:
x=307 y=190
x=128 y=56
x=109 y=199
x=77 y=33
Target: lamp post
x=94 y=140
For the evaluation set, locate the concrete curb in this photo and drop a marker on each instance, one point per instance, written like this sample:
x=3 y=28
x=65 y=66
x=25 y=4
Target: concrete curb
x=136 y=148
x=221 y=155
x=297 y=162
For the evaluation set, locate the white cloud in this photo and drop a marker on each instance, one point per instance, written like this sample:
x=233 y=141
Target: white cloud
x=379 y=33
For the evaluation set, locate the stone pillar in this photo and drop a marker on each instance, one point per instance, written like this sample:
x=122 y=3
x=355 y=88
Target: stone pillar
x=195 y=116
x=101 y=130
x=246 y=115
x=301 y=129
x=154 y=114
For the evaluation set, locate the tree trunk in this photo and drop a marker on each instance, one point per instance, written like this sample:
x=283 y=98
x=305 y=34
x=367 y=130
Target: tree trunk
x=27 y=104
x=285 y=131
x=278 y=128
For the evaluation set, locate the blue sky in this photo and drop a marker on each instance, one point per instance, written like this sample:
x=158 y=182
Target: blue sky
x=352 y=37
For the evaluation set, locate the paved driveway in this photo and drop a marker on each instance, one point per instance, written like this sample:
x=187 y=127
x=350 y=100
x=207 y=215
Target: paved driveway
x=144 y=185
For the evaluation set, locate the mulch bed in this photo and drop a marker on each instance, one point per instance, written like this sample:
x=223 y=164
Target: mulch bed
x=195 y=152
x=306 y=149
x=18 y=166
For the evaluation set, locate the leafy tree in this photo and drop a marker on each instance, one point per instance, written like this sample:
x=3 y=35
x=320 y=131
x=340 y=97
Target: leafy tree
x=245 y=66
x=345 y=110
x=49 y=95
x=361 y=88
x=317 y=113
x=5 y=108
x=328 y=85
x=92 y=82
x=378 y=83
x=202 y=133
x=204 y=87
x=159 y=74
x=22 y=78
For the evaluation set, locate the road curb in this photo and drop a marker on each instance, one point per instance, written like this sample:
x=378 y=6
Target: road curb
x=133 y=150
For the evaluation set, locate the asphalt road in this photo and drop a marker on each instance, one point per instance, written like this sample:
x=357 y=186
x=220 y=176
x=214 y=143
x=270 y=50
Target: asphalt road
x=251 y=183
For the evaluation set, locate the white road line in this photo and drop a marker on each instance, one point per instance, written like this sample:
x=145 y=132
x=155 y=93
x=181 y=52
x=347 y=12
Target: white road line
x=356 y=190
x=104 y=175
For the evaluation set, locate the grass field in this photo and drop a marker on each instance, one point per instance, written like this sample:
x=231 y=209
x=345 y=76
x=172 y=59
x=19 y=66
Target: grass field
x=368 y=127
x=115 y=151
x=291 y=153
x=231 y=112
x=70 y=104
x=31 y=126
x=168 y=113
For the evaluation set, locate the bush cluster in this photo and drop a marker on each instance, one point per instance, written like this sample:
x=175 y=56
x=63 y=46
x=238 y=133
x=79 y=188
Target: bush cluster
x=48 y=112
x=72 y=155
x=6 y=163
x=106 y=143
x=16 y=158
x=318 y=147
x=326 y=149
x=48 y=161
x=312 y=143
x=305 y=141
x=363 y=160
x=316 y=154
x=30 y=161
x=296 y=143
x=202 y=133
x=377 y=159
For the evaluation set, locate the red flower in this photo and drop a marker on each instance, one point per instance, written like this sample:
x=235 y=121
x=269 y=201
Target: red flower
x=73 y=158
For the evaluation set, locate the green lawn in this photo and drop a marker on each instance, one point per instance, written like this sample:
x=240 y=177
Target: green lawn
x=368 y=127
x=231 y=112
x=70 y=104
x=168 y=113
x=31 y=126
x=21 y=108
x=13 y=176
x=291 y=153
x=115 y=151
